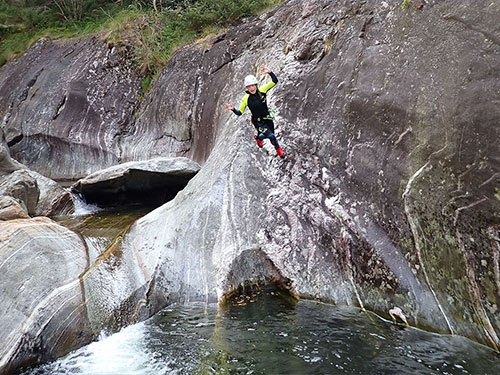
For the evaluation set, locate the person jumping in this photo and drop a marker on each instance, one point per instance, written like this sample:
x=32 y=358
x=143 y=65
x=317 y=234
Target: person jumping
x=255 y=99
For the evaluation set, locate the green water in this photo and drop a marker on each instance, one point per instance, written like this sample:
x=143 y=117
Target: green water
x=102 y=228
x=273 y=335
x=269 y=334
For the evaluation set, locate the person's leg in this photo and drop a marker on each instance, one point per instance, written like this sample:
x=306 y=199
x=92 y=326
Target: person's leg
x=270 y=125
x=268 y=132
x=262 y=131
x=257 y=136
x=258 y=140
x=272 y=138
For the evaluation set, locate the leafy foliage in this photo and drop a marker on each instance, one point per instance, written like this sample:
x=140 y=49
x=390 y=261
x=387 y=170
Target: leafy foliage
x=155 y=27
x=22 y=23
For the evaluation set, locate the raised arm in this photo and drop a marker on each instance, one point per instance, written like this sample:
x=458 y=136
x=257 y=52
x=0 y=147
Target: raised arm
x=274 y=79
x=243 y=105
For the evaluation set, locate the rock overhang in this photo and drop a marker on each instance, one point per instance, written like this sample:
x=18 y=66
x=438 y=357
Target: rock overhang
x=153 y=181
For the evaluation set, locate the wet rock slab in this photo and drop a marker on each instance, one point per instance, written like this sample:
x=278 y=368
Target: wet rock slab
x=42 y=314
x=151 y=181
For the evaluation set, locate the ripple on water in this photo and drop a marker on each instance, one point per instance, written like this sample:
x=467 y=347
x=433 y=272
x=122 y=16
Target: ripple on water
x=274 y=336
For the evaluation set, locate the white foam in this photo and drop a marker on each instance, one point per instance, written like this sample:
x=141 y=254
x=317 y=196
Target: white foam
x=123 y=353
x=82 y=207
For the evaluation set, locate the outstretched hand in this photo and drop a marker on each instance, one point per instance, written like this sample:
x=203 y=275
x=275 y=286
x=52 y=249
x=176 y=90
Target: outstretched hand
x=266 y=70
x=230 y=106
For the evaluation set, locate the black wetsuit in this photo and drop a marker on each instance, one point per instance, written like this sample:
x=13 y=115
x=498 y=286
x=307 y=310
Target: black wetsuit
x=261 y=118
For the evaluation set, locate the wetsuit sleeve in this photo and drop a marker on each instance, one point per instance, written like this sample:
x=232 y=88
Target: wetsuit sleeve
x=243 y=105
x=270 y=84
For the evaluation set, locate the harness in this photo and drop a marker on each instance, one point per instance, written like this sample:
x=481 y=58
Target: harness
x=271 y=116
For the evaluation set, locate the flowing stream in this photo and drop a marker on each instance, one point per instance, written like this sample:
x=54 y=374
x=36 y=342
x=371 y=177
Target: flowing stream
x=268 y=333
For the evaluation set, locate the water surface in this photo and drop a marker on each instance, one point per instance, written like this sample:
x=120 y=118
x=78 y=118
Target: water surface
x=101 y=228
x=273 y=335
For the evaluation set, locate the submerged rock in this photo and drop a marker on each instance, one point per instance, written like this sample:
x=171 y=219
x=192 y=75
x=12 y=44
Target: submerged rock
x=150 y=181
x=42 y=309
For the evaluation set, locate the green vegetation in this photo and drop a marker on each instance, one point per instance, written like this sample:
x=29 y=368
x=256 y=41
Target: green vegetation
x=155 y=28
x=22 y=22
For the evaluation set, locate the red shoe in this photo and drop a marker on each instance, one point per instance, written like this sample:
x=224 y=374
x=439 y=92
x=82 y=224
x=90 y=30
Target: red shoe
x=280 y=152
x=259 y=142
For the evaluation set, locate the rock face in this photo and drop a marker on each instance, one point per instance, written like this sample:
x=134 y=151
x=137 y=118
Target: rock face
x=20 y=185
x=42 y=314
x=52 y=199
x=11 y=209
x=151 y=181
x=7 y=164
x=389 y=197
x=40 y=195
x=66 y=104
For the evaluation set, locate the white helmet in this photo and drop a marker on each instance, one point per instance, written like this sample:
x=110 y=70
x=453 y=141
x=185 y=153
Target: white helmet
x=250 y=80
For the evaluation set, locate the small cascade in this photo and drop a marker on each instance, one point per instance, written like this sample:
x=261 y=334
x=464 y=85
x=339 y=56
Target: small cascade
x=100 y=227
x=82 y=207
